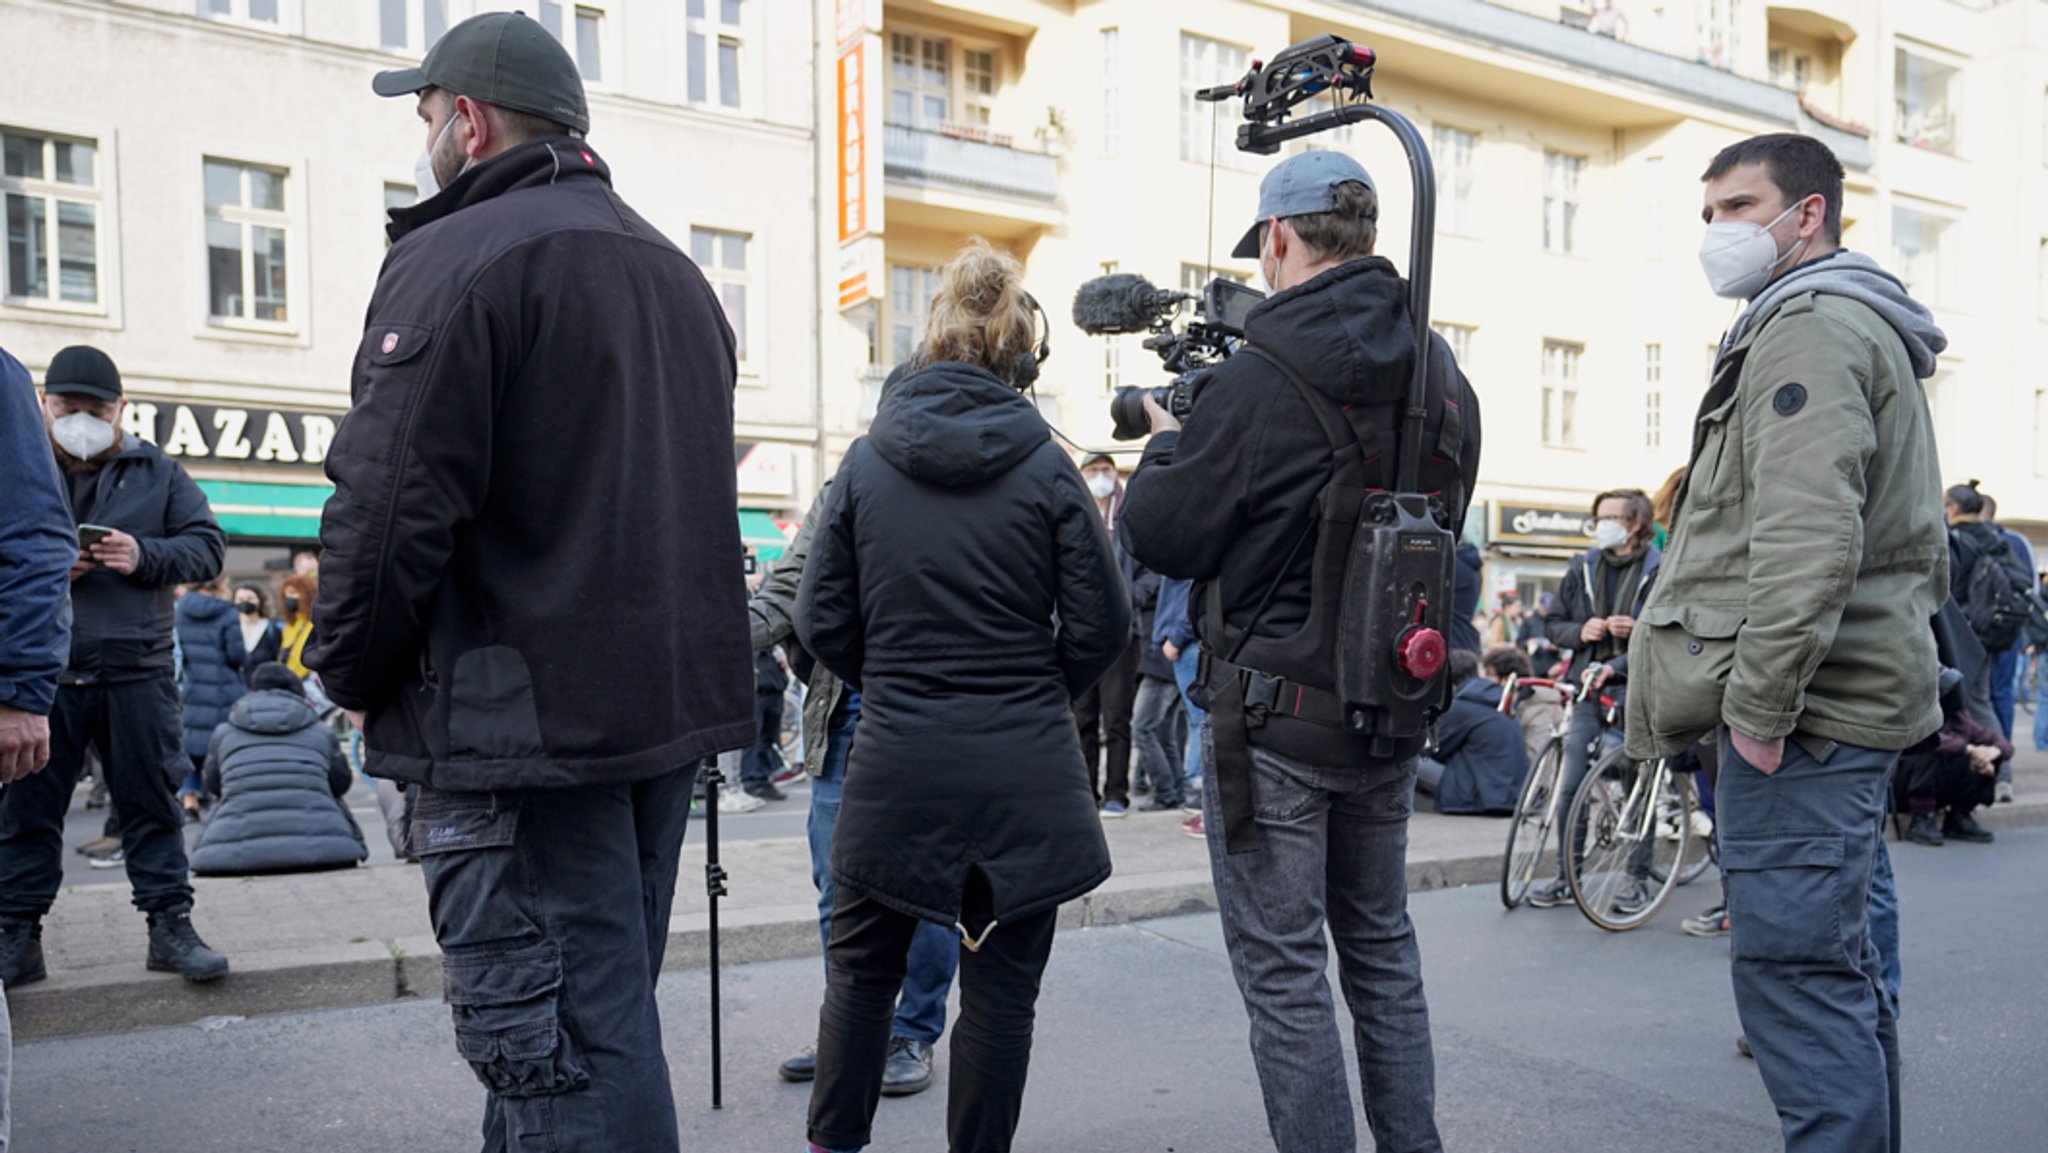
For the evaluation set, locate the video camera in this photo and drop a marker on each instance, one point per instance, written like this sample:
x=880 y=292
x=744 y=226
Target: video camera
x=1124 y=302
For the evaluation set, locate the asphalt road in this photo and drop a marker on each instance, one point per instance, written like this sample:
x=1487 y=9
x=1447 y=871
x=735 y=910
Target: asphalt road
x=1552 y=1037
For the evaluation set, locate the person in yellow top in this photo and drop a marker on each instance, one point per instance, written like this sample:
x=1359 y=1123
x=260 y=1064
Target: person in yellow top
x=296 y=599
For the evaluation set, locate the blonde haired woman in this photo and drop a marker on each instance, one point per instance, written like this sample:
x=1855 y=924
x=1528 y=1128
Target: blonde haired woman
x=961 y=577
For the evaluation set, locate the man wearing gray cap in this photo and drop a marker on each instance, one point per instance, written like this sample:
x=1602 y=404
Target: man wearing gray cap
x=1307 y=828
x=543 y=393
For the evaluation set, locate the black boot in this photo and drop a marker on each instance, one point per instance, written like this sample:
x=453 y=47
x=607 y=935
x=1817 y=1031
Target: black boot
x=1923 y=830
x=1961 y=826
x=175 y=947
x=21 y=952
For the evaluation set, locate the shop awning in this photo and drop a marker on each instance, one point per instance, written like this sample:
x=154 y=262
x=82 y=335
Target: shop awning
x=273 y=511
x=761 y=535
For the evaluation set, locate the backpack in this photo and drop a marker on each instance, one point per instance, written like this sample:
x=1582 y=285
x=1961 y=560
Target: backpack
x=1997 y=596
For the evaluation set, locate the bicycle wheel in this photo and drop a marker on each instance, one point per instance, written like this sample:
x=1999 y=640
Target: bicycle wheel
x=1529 y=830
x=1613 y=826
x=1674 y=824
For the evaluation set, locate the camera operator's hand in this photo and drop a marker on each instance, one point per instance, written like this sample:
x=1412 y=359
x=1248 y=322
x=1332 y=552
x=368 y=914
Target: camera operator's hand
x=1162 y=420
x=1594 y=630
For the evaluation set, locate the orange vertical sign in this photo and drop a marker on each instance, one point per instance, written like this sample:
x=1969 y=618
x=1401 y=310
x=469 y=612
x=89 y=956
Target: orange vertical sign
x=853 y=144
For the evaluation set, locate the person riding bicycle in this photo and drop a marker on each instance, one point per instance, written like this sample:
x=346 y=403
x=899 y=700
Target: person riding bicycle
x=1594 y=615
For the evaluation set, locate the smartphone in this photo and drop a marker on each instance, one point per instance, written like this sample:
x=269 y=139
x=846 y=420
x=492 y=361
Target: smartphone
x=92 y=534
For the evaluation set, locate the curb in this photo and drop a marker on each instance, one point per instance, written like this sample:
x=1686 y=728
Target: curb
x=124 y=997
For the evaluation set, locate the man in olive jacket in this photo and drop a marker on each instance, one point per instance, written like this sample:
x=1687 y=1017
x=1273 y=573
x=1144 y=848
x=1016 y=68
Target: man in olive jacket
x=1807 y=557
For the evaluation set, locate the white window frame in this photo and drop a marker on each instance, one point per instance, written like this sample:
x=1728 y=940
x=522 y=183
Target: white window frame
x=98 y=196
x=238 y=13
x=570 y=37
x=1720 y=33
x=921 y=44
x=708 y=33
x=1204 y=63
x=1455 y=151
x=749 y=280
x=417 y=42
x=1563 y=361
x=1458 y=337
x=1653 y=395
x=1564 y=179
x=1112 y=91
x=291 y=219
x=1948 y=136
x=1943 y=292
x=913 y=310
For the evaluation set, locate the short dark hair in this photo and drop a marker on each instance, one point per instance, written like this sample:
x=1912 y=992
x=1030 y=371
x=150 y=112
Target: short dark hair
x=1799 y=165
x=1464 y=666
x=1346 y=232
x=1967 y=499
x=271 y=675
x=1635 y=505
x=1500 y=660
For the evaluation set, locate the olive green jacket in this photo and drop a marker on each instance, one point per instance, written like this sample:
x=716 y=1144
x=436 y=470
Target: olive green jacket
x=771 y=617
x=1808 y=552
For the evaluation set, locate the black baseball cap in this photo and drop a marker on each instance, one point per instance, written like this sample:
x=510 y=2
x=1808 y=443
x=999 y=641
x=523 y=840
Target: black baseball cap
x=500 y=58
x=82 y=370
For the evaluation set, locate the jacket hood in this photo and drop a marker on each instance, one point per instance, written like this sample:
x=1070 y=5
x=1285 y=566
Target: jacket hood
x=1348 y=331
x=202 y=607
x=1856 y=276
x=1481 y=691
x=955 y=424
x=273 y=712
x=534 y=164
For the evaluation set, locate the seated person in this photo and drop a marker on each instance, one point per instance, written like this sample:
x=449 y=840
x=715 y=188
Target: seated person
x=1539 y=710
x=276 y=775
x=1479 y=759
x=1957 y=773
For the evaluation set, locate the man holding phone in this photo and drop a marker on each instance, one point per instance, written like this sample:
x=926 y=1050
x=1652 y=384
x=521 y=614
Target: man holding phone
x=150 y=529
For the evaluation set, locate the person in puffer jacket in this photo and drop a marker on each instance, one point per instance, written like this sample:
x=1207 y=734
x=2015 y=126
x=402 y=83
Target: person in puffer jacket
x=277 y=776
x=210 y=678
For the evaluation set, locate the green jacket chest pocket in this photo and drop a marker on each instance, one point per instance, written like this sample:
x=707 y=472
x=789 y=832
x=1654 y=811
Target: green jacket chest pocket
x=1716 y=480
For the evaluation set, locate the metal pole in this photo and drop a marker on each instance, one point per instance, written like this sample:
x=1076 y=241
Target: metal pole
x=714 y=888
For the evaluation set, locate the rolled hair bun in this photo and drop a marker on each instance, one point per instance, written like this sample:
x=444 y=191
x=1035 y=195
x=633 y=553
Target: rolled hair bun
x=981 y=314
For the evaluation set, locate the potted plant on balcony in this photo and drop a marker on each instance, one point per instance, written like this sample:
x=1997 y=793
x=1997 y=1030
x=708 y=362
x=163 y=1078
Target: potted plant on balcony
x=1052 y=133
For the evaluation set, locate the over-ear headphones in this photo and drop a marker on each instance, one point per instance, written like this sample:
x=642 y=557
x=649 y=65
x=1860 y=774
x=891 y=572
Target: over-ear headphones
x=1024 y=371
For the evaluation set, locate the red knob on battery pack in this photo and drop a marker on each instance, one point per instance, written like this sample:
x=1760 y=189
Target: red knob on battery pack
x=1421 y=653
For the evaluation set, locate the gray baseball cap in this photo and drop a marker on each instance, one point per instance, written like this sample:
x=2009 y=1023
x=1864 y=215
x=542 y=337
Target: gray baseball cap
x=1301 y=186
x=500 y=58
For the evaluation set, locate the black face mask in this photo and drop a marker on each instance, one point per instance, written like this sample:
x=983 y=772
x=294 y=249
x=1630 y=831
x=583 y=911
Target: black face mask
x=247 y=608
x=291 y=604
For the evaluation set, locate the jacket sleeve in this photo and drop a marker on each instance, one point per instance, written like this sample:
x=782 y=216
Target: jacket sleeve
x=1562 y=625
x=771 y=611
x=1804 y=553
x=38 y=543
x=1094 y=610
x=410 y=464
x=828 y=615
x=1172 y=623
x=231 y=644
x=210 y=774
x=192 y=546
x=339 y=775
x=1185 y=506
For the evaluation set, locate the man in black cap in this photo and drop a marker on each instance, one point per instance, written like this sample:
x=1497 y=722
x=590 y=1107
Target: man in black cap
x=543 y=393
x=144 y=527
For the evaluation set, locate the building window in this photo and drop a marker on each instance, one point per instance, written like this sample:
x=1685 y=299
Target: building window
x=1925 y=253
x=1720 y=23
x=247 y=243
x=1926 y=95
x=1112 y=92
x=1561 y=393
x=1458 y=336
x=50 y=186
x=723 y=257
x=1196 y=277
x=1789 y=69
x=1561 y=201
x=1452 y=149
x=1653 y=396
x=920 y=80
x=978 y=86
x=397 y=196
x=582 y=33
x=408 y=25
x=717 y=48
x=254 y=11
x=910 y=307
x=1205 y=131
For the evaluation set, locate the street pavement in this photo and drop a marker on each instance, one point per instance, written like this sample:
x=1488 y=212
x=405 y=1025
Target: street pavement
x=1551 y=1036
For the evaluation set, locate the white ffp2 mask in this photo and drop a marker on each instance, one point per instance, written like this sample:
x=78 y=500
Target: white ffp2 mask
x=82 y=434
x=1101 y=486
x=1739 y=256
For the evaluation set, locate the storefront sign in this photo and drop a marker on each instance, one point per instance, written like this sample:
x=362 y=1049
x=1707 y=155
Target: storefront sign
x=853 y=143
x=765 y=469
x=1542 y=525
x=231 y=434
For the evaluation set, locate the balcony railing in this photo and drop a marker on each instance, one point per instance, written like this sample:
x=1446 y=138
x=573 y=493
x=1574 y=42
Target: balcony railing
x=939 y=160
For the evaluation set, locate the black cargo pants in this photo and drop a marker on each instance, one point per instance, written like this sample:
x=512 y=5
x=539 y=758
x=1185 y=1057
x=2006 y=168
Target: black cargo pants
x=551 y=907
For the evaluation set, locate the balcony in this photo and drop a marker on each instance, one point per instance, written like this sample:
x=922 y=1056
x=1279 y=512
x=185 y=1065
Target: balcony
x=966 y=183
x=1821 y=19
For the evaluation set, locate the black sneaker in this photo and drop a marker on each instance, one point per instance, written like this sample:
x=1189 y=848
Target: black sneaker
x=1712 y=923
x=21 y=952
x=1964 y=827
x=765 y=790
x=175 y=947
x=1172 y=806
x=1552 y=895
x=1923 y=830
x=909 y=1069
x=800 y=1068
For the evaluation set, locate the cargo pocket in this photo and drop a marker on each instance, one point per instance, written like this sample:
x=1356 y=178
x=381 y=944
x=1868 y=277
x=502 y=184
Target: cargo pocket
x=507 y=1025
x=1786 y=894
x=1715 y=478
x=476 y=890
x=492 y=714
x=1690 y=651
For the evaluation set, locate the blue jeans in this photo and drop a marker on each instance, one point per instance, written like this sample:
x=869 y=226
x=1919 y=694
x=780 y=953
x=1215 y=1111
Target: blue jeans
x=1333 y=853
x=1800 y=849
x=934 y=949
x=1156 y=737
x=1184 y=674
x=2005 y=683
x=2041 y=701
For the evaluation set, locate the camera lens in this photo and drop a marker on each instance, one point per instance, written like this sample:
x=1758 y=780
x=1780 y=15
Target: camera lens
x=1127 y=412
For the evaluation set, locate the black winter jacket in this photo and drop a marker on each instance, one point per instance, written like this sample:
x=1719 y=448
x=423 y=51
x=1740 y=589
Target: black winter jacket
x=1143 y=584
x=280 y=775
x=121 y=627
x=37 y=547
x=211 y=639
x=1567 y=618
x=961 y=576
x=1467 y=574
x=543 y=409
x=1483 y=753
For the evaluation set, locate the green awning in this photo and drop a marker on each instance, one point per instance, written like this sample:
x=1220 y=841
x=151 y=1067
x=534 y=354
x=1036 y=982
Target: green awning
x=760 y=534
x=276 y=511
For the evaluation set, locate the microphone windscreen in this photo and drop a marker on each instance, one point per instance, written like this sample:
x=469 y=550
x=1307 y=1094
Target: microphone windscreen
x=1114 y=304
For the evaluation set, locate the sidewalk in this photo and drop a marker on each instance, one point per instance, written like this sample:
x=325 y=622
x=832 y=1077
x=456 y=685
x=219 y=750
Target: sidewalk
x=327 y=939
